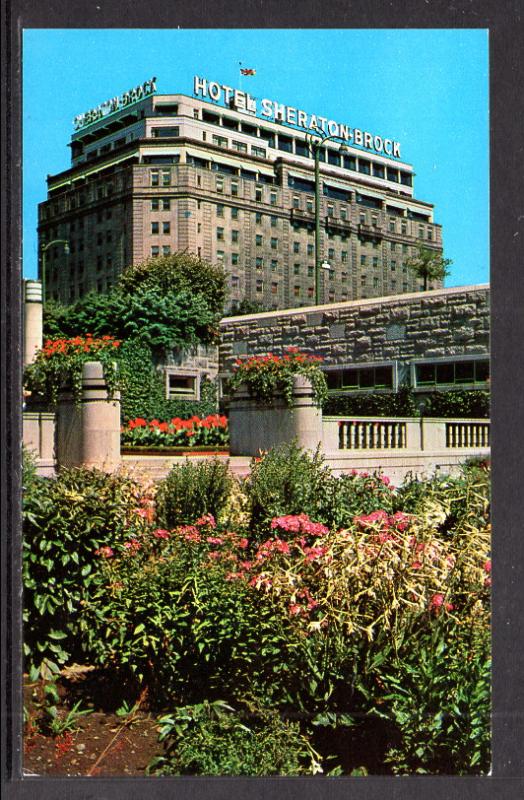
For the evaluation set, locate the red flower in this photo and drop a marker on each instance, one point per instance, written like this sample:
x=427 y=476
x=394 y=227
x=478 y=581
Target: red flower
x=105 y=552
x=160 y=533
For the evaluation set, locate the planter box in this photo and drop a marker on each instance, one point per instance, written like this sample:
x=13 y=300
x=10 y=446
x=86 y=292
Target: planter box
x=256 y=426
x=128 y=450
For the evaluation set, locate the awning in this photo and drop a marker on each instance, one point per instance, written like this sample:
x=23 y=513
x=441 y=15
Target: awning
x=166 y=150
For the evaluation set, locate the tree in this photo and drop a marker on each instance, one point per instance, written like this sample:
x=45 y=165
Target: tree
x=429 y=265
x=164 y=302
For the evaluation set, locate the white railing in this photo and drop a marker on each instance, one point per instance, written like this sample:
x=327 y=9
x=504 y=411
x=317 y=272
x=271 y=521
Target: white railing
x=467 y=434
x=409 y=434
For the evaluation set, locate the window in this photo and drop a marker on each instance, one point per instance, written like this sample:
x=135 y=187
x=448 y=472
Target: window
x=220 y=233
x=155 y=205
x=374 y=221
x=220 y=185
x=296 y=202
x=234 y=188
x=296 y=269
x=260 y=285
x=330 y=211
x=258 y=240
x=274 y=244
x=296 y=247
x=359 y=378
x=166 y=177
x=362 y=218
x=183 y=386
x=274 y=222
x=239 y=146
x=392 y=174
x=259 y=262
x=166 y=227
x=274 y=265
x=166 y=249
x=421 y=231
x=363 y=261
x=220 y=141
x=274 y=287
x=159 y=133
x=309 y=205
x=375 y=261
x=310 y=291
x=155 y=228
x=452 y=372
x=155 y=178
x=234 y=258
x=331 y=253
x=404 y=248
x=429 y=234
x=364 y=166
x=220 y=210
x=393 y=266
x=258 y=151
x=296 y=291
x=344 y=277
x=220 y=256
x=234 y=213
x=343 y=213
x=234 y=236
x=166 y=204
x=310 y=271
x=258 y=195
x=273 y=198
x=404 y=227
x=155 y=250
x=393 y=247
x=235 y=281
x=392 y=225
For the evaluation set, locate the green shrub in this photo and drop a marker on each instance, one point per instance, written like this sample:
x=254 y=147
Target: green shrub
x=289 y=480
x=437 y=694
x=65 y=520
x=193 y=489
x=213 y=739
x=458 y=403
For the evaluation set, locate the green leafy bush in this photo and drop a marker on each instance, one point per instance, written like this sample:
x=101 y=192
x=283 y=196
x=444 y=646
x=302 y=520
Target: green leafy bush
x=459 y=403
x=65 y=520
x=288 y=480
x=438 y=696
x=193 y=489
x=213 y=739
x=370 y=404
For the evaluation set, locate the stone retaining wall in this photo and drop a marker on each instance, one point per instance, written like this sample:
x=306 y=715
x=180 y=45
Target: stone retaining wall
x=434 y=324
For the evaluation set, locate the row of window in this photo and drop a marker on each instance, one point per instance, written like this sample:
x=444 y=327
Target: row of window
x=428 y=374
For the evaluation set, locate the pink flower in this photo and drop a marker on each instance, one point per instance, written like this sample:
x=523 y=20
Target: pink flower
x=416 y=565
x=385 y=480
x=160 y=533
x=243 y=543
x=436 y=602
x=206 y=519
x=214 y=540
x=215 y=554
x=487 y=566
x=295 y=609
x=105 y=552
x=132 y=546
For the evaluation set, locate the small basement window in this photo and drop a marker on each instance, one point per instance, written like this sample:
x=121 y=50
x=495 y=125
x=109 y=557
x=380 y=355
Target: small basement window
x=181 y=386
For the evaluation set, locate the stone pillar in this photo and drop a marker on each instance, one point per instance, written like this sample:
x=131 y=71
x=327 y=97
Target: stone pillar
x=88 y=434
x=255 y=426
x=33 y=320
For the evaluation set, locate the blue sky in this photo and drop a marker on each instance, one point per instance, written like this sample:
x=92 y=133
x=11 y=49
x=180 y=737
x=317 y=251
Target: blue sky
x=427 y=89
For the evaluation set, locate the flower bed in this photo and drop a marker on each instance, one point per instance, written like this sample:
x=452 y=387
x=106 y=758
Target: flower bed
x=351 y=634
x=211 y=431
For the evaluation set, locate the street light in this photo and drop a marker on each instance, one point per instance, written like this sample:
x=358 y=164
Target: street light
x=44 y=249
x=315 y=139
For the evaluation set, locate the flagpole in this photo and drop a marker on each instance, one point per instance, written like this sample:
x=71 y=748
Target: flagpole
x=240 y=73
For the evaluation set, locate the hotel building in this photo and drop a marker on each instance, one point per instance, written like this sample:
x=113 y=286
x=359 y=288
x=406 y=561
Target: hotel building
x=164 y=173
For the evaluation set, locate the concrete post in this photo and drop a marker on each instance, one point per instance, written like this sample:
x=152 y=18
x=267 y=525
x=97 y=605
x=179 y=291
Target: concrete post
x=33 y=320
x=88 y=434
x=254 y=426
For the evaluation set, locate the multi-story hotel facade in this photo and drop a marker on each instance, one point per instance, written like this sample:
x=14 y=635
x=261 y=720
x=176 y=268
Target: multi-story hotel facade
x=153 y=174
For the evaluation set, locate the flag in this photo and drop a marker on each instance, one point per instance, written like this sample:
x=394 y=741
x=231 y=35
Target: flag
x=248 y=72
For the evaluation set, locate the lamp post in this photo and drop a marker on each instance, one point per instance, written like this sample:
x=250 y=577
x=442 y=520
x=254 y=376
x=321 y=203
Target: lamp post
x=315 y=139
x=44 y=249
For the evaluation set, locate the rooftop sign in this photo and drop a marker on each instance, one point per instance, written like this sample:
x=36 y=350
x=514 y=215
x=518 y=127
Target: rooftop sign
x=278 y=112
x=115 y=104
